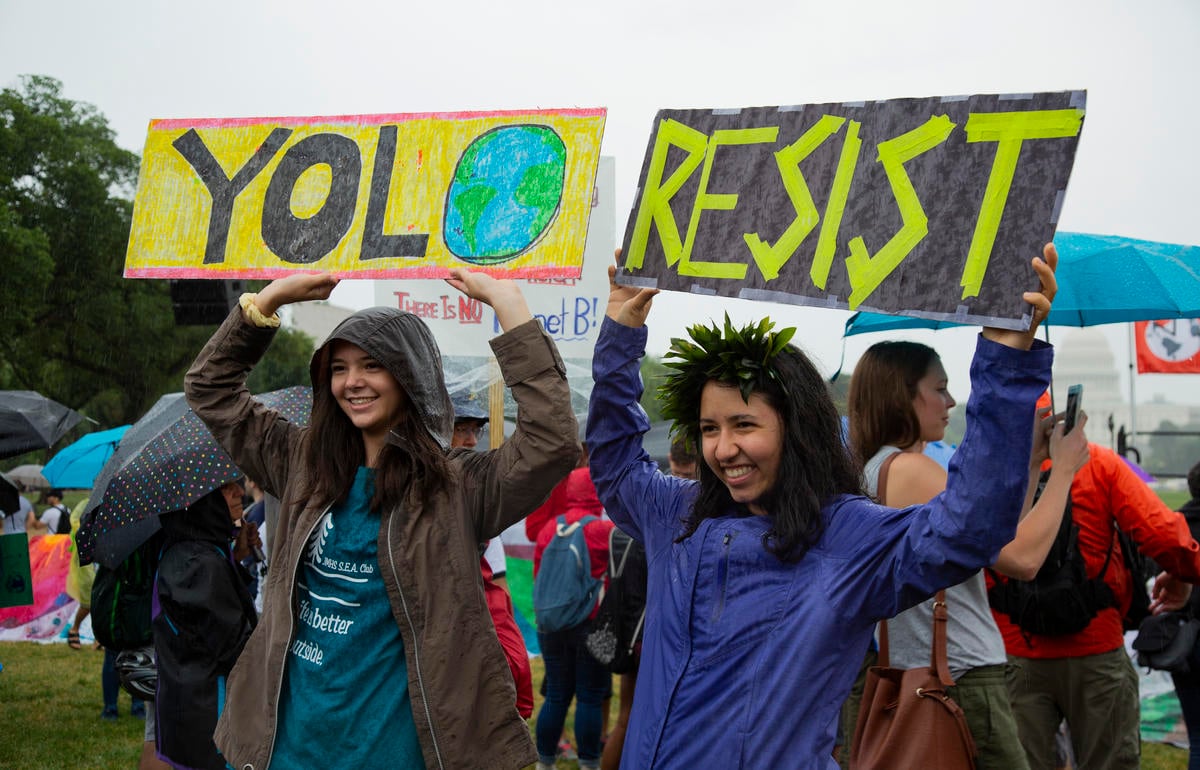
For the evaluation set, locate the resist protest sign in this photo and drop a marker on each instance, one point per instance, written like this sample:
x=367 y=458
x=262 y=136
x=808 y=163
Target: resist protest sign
x=366 y=196
x=930 y=207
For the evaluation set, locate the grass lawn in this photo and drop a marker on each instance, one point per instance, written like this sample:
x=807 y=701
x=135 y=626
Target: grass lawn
x=50 y=708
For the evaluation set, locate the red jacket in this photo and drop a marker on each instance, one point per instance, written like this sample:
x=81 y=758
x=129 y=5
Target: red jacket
x=1103 y=491
x=574 y=497
x=501 y=607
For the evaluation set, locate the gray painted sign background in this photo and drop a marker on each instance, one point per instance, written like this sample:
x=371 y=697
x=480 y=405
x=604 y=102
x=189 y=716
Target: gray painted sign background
x=930 y=207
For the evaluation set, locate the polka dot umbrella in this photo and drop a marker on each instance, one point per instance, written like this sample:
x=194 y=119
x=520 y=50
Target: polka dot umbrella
x=165 y=462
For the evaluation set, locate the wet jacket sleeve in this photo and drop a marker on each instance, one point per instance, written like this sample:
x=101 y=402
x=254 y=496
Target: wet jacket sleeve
x=1161 y=534
x=645 y=503
x=216 y=391
x=506 y=484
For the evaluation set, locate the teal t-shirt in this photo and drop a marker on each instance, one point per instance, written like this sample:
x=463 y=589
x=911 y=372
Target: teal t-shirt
x=345 y=685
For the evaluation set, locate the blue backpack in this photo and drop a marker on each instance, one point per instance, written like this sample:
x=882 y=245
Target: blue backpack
x=564 y=593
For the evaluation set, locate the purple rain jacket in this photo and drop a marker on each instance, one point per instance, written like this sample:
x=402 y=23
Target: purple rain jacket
x=746 y=660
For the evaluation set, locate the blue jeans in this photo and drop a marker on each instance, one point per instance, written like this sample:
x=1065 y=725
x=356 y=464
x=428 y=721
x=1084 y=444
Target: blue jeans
x=571 y=671
x=110 y=682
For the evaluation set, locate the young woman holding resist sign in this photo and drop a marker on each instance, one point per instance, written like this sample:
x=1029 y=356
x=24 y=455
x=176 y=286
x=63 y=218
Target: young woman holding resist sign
x=767 y=576
x=375 y=648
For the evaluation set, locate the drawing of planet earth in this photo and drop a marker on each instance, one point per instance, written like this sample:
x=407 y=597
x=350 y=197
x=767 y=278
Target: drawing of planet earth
x=505 y=193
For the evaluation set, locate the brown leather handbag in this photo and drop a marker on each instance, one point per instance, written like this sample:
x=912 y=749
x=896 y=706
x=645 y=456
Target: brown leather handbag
x=907 y=721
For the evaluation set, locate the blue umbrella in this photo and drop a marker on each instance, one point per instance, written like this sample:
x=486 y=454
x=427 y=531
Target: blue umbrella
x=76 y=465
x=1102 y=279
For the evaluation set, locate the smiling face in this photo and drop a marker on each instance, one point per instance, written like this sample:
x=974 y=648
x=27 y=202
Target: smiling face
x=933 y=402
x=742 y=442
x=367 y=393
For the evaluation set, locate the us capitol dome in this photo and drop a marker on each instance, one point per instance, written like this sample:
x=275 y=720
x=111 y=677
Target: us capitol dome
x=1083 y=355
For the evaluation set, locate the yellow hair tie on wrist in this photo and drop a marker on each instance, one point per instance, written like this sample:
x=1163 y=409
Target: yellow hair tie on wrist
x=254 y=315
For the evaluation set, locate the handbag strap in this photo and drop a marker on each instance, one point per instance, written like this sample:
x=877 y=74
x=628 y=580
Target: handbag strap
x=939 y=661
x=880 y=492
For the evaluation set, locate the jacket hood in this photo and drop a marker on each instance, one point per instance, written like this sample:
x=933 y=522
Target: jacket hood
x=404 y=345
x=579 y=493
x=206 y=520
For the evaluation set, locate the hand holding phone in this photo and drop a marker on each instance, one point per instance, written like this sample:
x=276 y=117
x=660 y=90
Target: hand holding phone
x=1074 y=398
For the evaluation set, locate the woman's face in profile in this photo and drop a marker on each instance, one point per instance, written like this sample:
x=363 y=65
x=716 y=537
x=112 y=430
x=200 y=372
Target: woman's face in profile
x=742 y=442
x=232 y=493
x=933 y=402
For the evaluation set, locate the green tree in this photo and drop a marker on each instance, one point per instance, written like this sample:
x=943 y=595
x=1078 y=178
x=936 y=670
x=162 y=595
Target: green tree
x=285 y=363
x=653 y=372
x=73 y=327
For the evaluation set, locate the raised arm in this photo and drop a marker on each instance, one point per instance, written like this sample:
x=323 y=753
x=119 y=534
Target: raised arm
x=1023 y=557
x=508 y=483
x=257 y=438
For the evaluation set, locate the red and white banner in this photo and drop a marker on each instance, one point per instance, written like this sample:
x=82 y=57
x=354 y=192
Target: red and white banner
x=1169 y=347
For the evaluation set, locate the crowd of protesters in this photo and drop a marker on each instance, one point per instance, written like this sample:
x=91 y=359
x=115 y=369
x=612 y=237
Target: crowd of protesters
x=763 y=556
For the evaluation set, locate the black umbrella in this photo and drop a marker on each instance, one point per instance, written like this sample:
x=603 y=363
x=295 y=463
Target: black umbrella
x=10 y=497
x=29 y=420
x=165 y=462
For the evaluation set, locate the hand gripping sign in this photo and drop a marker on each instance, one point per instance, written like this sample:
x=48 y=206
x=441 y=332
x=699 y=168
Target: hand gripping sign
x=930 y=207
x=367 y=196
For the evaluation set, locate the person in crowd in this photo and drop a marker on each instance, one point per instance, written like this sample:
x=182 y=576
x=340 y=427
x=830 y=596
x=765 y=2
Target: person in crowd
x=682 y=463
x=899 y=400
x=374 y=574
x=48 y=522
x=766 y=576
x=79 y=580
x=255 y=520
x=1087 y=677
x=571 y=671
x=1187 y=686
x=204 y=615
x=15 y=521
x=110 y=689
x=470 y=420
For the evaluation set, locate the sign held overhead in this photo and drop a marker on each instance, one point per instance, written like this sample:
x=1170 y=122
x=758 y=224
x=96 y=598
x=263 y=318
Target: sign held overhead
x=930 y=207
x=367 y=196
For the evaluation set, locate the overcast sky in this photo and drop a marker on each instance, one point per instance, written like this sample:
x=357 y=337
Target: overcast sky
x=1135 y=172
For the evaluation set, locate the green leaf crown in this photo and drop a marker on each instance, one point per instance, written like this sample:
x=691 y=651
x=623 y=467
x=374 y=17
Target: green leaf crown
x=742 y=357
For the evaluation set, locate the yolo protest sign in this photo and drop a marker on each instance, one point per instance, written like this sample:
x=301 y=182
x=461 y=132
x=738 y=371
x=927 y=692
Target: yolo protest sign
x=930 y=207
x=366 y=196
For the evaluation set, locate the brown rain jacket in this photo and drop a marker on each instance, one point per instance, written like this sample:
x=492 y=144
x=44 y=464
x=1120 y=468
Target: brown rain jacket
x=461 y=689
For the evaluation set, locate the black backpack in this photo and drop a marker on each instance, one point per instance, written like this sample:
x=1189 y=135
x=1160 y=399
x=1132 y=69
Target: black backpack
x=64 y=520
x=617 y=630
x=122 y=599
x=1142 y=569
x=1061 y=599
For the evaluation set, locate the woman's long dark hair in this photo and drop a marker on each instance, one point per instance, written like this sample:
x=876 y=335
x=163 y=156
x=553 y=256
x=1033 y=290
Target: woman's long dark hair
x=882 y=390
x=410 y=461
x=815 y=465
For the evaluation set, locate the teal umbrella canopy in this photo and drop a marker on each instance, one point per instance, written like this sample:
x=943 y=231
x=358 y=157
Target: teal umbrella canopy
x=1106 y=279
x=1102 y=279
x=76 y=465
